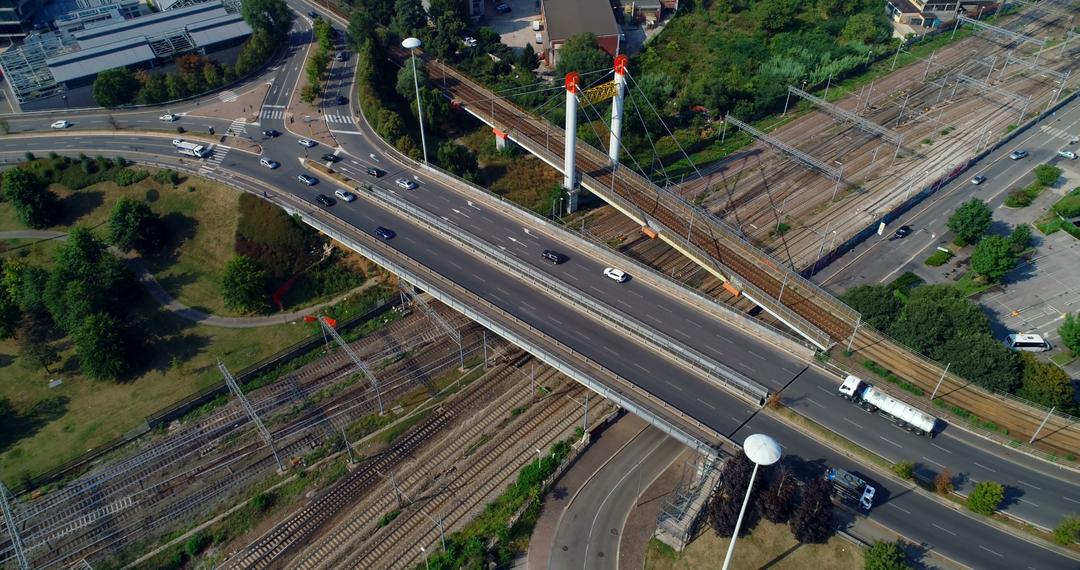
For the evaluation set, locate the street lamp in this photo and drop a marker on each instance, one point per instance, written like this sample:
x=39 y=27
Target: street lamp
x=411 y=44
x=762 y=450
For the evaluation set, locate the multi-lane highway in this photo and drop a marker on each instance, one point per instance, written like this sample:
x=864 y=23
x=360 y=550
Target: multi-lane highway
x=969 y=540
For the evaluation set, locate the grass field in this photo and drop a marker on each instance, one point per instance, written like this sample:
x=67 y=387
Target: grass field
x=768 y=546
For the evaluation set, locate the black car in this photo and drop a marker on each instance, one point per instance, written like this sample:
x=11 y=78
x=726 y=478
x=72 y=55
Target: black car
x=312 y=14
x=385 y=233
x=374 y=172
x=341 y=100
x=331 y=157
x=554 y=257
x=502 y=8
x=902 y=231
x=272 y=133
x=324 y=200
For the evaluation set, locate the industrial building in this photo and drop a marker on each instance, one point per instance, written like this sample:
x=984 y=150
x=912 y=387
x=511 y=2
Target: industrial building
x=564 y=19
x=57 y=68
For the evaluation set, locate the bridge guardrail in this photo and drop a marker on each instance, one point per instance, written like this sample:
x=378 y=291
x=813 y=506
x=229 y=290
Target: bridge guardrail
x=712 y=370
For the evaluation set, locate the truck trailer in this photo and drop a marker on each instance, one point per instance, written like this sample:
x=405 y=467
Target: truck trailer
x=871 y=399
x=850 y=488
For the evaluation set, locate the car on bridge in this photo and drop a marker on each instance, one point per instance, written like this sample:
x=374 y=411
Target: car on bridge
x=1018 y=154
x=345 y=195
x=554 y=257
x=902 y=232
x=616 y=274
x=385 y=233
x=324 y=200
x=269 y=163
x=978 y=180
x=405 y=183
x=307 y=143
x=61 y=124
x=168 y=117
x=307 y=179
x=372 y=171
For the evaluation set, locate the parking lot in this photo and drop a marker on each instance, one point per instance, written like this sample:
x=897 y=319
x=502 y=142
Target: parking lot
x=515 y=28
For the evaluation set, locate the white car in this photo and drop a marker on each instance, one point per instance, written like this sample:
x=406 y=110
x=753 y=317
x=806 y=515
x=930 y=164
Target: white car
x=1067 y=154
x=469 y=41
x=405 y=183
x=616 y=274
x=168 y=117
x=344 y=195
x=269 y=163
x=176 y=142
x=978 y=180
x=61 y=124
x=306 y=142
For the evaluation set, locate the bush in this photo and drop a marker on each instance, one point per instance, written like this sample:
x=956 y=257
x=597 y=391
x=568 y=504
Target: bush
x=1046 y=174
x=938 y=258
x=128 y=176
x=1018 y=199
x=885 y=556
x=986 y=497
x=167 y=176
x=1068 y=531
x=943 y=483
x=196 y=544
x=904 y=469
x=261 y=502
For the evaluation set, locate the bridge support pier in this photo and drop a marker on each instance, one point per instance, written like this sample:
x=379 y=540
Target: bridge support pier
x=573 y=86
x=501 y=140
x=617 y=110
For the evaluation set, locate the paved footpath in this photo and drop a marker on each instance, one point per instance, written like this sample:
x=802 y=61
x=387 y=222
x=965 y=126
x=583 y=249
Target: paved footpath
x=172 y=305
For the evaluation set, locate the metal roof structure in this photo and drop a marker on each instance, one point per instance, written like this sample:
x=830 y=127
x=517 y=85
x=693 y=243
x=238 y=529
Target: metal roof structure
x=568 y=18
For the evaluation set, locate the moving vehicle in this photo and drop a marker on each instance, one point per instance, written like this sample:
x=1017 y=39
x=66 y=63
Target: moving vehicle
x=1067 y=154
x=191 y=149
x=307 y=179
x=269 y=163
x=1018 y=154
x=61 y=124
x=324 y=200
x=502 y=8
x=372 y=171
x=330 y=157
x=978 y=180
x=168 y=117
x=385 y=233
x=554 y=257
x=312 y=14
x=872 y=400
x=901 y=232
x=850 y=488
x=345 y=195
x=405 y=183
x=307 y=143
x=340 y=100
x=1027 y=342
x=341 y=56
x=272 y=133
x=616 y=274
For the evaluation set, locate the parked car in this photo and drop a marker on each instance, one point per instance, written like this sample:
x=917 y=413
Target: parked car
x=372 y=171
x=470 y=41
x=978 y=180
x=385 y=233
x=345 y=195
x=331 y=157
x=324 y=200
x=502 y=8
x=1018 y=154
x=405 y=183
x=307 y=179
x=169 y=117
x=1067 y=154
x=616 y=274
x=902 y=231
x=306 y=142
x=272 y=133
x=554 y=257
x=269 y=163
x=61 y=124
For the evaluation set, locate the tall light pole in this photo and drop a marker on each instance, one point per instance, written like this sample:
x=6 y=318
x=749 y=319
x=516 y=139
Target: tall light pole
x=762 y=450
x=411 y=44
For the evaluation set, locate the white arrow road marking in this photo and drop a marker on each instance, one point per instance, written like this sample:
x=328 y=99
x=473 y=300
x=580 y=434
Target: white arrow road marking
x=471 y=205
x=459 y=212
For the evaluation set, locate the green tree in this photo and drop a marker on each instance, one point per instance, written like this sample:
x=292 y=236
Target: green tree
x=1068 y=531
x=981 y=359
x=528 y=60
x=878 y=304
x=446 y=36
x=458 y=160
x=404 y=85
x=255 y=51
x=9 y=314
x=272 y=16
x=1070 y=333
x=933 y=315
x=100 y=344
x=1044 y=383
x=133 y=225
x=243 y=286
x=447 y=8
x=1020 y=238
x=812 y=521
x=361 y=28
x=409 y=18
x=1047 y=174
x=885 y=556
x=775 y=15
x=33 y=334
x=865 y=28
x=971 y=220
x=986 y=497
x=382 y=11
x=580 y=54
x=993 y=257
x=34 y=205
x=904 y=469
x=115 y=87
x=324 y=35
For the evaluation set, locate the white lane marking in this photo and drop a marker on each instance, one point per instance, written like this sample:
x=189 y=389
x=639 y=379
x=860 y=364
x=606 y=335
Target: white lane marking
x=1071 y=499
x=695 y=324
x=530 y=307
x=852 y=423
x=572 y=276
x=666 y=309
x=814 y=403
x=582 y=335
x=1028 y=485
x=611 y=350
x=471 y=205
x=991 y=551
x=460 y=213
x=943 y=529
x=1028 y=502
x=503 y=291
x=624 y=303
x=891 y=441
x=456 y=266
x=679 y=388
x=681 y=332
x=824 y=390
x=706 y=404
x=643 y=368
x=654 y=319
x=556 y=321
x=752 y=353
x=941 y=448
x=898 y=508
x=928 y=460
x=983 y=466
x=595 y=288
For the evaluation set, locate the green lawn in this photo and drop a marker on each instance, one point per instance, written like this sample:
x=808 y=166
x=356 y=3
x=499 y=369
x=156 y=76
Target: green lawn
x=969 y=286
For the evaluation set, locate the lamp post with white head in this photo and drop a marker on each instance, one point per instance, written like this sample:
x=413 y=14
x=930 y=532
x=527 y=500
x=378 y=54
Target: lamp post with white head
x=411 y=44
x=762 y=450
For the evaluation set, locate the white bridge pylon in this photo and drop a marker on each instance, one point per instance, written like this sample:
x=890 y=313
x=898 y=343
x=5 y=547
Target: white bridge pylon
x=617 y=91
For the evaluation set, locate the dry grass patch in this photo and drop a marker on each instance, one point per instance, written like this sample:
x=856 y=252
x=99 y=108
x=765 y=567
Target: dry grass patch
x=768 y=546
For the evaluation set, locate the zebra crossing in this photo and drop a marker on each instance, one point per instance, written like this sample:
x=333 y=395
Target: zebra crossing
x=238 y=127
x=268 y=113
x=278 y=113
x=1057 y=133
x=228 y=96
x=214 y=160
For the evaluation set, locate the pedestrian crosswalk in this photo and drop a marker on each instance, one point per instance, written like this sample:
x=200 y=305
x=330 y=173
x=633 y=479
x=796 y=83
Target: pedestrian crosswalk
x=276 y=113
x=228 y=96
x=211 y=163
x=1057 y=133
x=267 y=113
x=238 y=127
x=344 y=119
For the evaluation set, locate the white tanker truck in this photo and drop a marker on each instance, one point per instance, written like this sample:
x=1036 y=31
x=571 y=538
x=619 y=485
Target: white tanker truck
x=872 y=400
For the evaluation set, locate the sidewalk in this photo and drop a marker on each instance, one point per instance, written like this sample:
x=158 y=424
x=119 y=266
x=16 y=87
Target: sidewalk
x=603 y=447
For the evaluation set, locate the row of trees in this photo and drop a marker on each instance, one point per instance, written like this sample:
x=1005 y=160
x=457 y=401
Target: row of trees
x=319 y=62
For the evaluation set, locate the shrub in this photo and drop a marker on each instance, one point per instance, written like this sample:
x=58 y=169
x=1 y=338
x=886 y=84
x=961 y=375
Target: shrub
x=167 y=176
x=904 y=469
x=1018 y=199
x=1068 y=531
x=261 y=502
x=1046 y=174
x=128 y=176
x=986 y=497
x=29 y=156
x=943 y=483
x=196 y=544
x=938 y=258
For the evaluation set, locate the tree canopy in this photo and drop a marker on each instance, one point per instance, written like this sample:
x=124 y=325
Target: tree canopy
x=981 y=359
x=1044 y=383
x=35 y=205
x=727 y=500
x=101 y=346
x=243 y=286
x=994 y=257
x=933 y=315
x=581 y=54
x=133 y=225
x=986 y=497
x=1070 y=332
x=272 y=16
x=885 y=556
x=459 y=160
x=812 y=521
x=409 y=18
x=878 y=304
x=971 y=220
x=115 y=87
